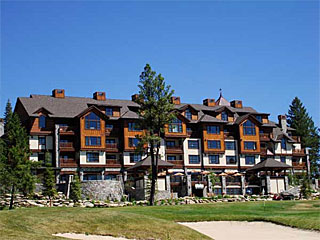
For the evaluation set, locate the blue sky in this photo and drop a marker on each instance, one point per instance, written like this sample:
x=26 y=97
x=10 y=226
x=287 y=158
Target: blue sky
x=263 y=53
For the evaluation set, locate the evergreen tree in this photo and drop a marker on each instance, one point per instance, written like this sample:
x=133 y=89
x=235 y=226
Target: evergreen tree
x=49 y=180
x=299 y=119
x=156 y=110
x=75 y=189
x=15 y=166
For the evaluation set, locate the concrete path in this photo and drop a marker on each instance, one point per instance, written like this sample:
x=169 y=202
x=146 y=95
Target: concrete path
x=87 y=237
x=224 y=230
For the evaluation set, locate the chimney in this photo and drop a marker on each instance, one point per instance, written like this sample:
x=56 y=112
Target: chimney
x=210 y=102
x=236 y=103
x=175 y=100
x=283 y=122
x=100 y=96
x=58 y=93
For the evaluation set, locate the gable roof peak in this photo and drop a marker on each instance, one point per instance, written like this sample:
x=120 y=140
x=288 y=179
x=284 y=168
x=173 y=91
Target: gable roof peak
x=222 y=101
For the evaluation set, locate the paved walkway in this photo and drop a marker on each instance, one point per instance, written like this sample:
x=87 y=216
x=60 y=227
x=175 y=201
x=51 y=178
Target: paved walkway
x=87 y=237
x=224 y=230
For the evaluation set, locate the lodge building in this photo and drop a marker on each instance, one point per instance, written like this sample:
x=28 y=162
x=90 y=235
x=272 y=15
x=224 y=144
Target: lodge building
x=96 y=137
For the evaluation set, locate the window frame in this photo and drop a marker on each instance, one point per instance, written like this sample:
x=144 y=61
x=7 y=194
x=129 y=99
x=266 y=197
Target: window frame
x=213 y=129
x=133 y=127
x=188 y=114
x=42 y=121
x=226 y=143
x=92 y=121
x=224 y=116
x=192 y=161
x=133 y=142
x=175 y=126
x=218 y=144
x=228 y=160
x=217 y=159
x=249 y=128
x=193 y=144
x=96 y=158
x=248 y=158
x=134 y=157
x=245 y=145
x=109 y=111
x=89 y=141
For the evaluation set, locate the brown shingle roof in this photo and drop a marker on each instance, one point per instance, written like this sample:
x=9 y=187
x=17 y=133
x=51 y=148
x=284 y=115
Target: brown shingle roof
x=269 y=164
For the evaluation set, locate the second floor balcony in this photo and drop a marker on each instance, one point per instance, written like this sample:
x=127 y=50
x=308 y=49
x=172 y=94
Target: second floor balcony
x=113 y=147
x=66 y=130
x=174 y=149
x=68 y=162
x=66 y=146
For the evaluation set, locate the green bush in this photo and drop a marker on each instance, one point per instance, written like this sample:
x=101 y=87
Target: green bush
x=75 y=189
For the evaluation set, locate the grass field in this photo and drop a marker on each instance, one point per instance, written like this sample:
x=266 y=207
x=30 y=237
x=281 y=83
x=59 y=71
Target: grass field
x=151 y=222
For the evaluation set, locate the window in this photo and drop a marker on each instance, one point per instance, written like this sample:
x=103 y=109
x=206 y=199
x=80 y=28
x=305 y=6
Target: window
x=230 y=145
x=233 y=191
x=175 y=126
x=250 y=160
x=109 y=111
x=134 y=127
x=250 y=145
x=224 y=116
x=92 y=177
x=111 y=157
x=109 y=126
x=171 y=158
x=217 y=191
x=170 y=143
x=283 y=144
x=42 y=121
x=110 y=177
x=194 y=159
x=214 y=144
x=283 y=159
x=133 y=142
x=249 y=128
x=259 y=118
x=213 y=129
x=193 y=144
x=92 y=121
x=188 y=114
x=110 y=140
x=92 y=157
x=231 y=159
x=134 y=157
x=42 y=140
x=93 y=141
x=213 y=159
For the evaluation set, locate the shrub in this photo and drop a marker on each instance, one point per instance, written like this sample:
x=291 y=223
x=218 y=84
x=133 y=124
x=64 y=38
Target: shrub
x=75 y=189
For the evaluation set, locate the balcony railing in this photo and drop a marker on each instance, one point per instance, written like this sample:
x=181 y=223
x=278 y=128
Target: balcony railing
x=66 y=144
x=176 y=147
x=66 y=129
x=112 y=161
x=264 y=136
x=298 y=164
x=176 y=162
x=298 y=151
x=111 y=145
x=68 y=162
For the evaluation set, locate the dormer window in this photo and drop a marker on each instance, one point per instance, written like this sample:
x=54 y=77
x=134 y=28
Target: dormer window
x=259 y=118
x=249 y=128
x=188 y=114
x=109 y=111
x=92 y=121
x=42 y=121
x=224 y=116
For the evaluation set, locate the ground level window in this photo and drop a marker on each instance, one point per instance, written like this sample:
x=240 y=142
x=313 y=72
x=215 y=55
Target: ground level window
x=217 y=191
x=233 y=191
x=91 y=177
x=110 y=177
x=283 y=159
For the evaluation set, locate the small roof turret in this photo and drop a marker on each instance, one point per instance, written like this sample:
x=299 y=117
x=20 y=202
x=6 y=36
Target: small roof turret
x=222 y=101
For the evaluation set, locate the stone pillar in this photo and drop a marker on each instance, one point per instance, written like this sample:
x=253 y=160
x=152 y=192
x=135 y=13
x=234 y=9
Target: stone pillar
x=125 y=176
x=81 y=175
x=268 y=185
x=189 y=186
x=223 y=185
x=243 y=185
x=168 y=186
x=102 y=175
x=209 y=184
x=286 y=183
x=145 y=185
x=57 y=177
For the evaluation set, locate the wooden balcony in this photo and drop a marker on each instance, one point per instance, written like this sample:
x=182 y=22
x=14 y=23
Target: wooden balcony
x=174 y=149
x=233 y=183
x=66 y=146
x=228 y=135
x=112 y=147
x=298 y=165
x=199 y=182
x=264 y=136
x=112 y=131
x=66 y=130
x=178 y=163
x=298 y=152
x=68 y=162
x=113 y=162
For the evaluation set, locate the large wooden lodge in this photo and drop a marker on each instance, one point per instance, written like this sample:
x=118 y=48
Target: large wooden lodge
x=96 y=138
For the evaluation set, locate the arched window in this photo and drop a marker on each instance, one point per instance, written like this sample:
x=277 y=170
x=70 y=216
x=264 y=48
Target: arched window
x=92 y=121
x=175 y=126
x=188 y=114
x=42 y=121
x=249 y=128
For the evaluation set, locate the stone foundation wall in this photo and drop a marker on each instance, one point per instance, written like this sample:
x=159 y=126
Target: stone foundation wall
x=102 y=190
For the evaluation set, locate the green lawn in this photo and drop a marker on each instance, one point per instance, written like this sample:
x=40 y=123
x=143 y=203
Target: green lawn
x=151 y=222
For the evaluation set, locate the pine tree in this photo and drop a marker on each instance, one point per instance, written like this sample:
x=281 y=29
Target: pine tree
x=16 y=168
x=299 y=119
x=75 y=189
x=156 y=110
x=49 y=181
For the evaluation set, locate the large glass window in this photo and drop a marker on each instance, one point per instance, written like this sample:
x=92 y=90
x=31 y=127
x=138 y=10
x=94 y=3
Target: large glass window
x=175 y=126
x=230 y=145
x=283 y=144
x=109 y=111
x=188 y=114
x=259 y=118
x=92 y=177
x=92 y=157
x=134 y=157
x=213 y=159
x=250 y=160
x=250 y=145
x=214 y=144
x=92 y=121
x=194 y=159
x=42 y=121
x=283 y=159
x=224 y=116
x=134 y=142
x=231 y=159
x=249 y=128
x=193 y=144
x=110 y=141
x=134 y=127
x=213 y=129
x=93 y=141
x=171 y=158
x=42 y=140
x=111 y=157
x=170 y=143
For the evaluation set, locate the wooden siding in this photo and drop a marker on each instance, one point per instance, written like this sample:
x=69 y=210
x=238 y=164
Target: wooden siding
x=249 y=138
x=129 y=134
x=208 y=136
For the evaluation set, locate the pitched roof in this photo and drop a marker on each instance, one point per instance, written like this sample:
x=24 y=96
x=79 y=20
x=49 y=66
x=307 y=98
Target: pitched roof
x=222 y=101
x=269 y=164
x=210 y=119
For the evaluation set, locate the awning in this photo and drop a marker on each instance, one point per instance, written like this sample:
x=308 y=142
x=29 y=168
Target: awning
x=269 y=165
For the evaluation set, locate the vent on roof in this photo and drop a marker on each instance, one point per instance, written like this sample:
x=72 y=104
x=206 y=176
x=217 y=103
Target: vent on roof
x=58 y=93
x=236 y=104
x=210 y=102
x=175 y=100
x=100 y=96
